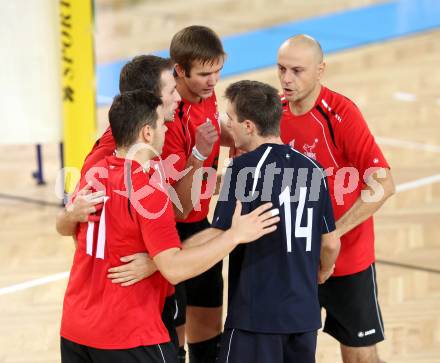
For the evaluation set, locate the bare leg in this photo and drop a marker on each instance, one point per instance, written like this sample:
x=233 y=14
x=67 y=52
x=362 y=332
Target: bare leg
x=203 y=323
x=181 y=334
x=203 y=331
x=360 y=354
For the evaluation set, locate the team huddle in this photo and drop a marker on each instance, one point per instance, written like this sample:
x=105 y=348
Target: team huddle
x=146 y=278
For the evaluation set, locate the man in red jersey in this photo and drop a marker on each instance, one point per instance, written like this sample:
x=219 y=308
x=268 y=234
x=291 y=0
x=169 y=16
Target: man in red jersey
x=146 y=71
x=199 y=57
x=155 y=74
x=104 y=322
x=194 y=138
x=329 y=128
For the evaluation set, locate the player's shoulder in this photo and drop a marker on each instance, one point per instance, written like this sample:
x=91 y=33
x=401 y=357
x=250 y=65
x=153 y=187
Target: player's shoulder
x=96 y=174
x=239 y=161
x=303 y=160
x=106 y=141
x=95 y=165
x=107 y=135
x=252 y=158
x=105 y=162
x=138 y=174
x=335 y=104
x=333 y=97
x=276 y=151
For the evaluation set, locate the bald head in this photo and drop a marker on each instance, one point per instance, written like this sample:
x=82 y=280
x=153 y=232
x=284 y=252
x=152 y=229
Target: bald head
x=303 y=43
x=300 y=67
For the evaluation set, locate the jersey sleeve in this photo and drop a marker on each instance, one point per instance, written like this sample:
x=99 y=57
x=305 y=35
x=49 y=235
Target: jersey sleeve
x=227 y=200
x=328 y=219
x=174 y=151
x=157 y=224
x=358 y=143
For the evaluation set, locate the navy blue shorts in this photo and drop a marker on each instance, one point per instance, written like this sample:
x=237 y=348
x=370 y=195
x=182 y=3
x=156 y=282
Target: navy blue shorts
x=240 y=346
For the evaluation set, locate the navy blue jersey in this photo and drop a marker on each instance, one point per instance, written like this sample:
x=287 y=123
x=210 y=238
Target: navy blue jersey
x=273 y=281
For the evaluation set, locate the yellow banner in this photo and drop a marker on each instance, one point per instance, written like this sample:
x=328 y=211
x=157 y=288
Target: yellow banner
x=78 y=82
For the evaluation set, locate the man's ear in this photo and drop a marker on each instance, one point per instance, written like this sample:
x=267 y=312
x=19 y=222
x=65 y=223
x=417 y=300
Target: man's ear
x=321 y=69
x=146 y=134
x=250 y=127
x=179 y=70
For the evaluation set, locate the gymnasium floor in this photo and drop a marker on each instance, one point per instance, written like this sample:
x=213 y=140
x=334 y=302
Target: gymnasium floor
x=394 y=82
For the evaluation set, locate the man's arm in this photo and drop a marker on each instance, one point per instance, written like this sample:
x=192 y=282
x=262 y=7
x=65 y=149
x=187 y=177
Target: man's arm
x=206 y=136
x=140 y=266
x=178 y=265
x=183 y=188
x=330 y=246
x=141 y=263
x=85 y=203
x=201 y=237
x=380 y=186
x=136 y=268
x=360 y=149
x=65 y=224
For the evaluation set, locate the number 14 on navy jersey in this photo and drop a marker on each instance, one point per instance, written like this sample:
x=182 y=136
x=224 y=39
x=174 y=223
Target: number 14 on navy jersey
x=273 y=281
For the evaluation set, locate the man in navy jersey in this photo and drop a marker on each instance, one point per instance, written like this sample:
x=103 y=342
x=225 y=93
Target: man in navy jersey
x=329 y=128
x=273 y=306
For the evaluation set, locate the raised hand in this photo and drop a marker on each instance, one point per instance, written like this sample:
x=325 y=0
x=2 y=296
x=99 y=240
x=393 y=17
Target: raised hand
x=206 y=136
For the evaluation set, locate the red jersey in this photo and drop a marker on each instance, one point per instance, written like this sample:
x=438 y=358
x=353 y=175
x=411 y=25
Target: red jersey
x=104 y=146
x=180 y=139
x=137 y=218
x=335 y=134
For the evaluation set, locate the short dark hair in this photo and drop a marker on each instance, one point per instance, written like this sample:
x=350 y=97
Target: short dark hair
x=257 y=102
x=129 y=112
x=195 y=43
x=144 y=71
